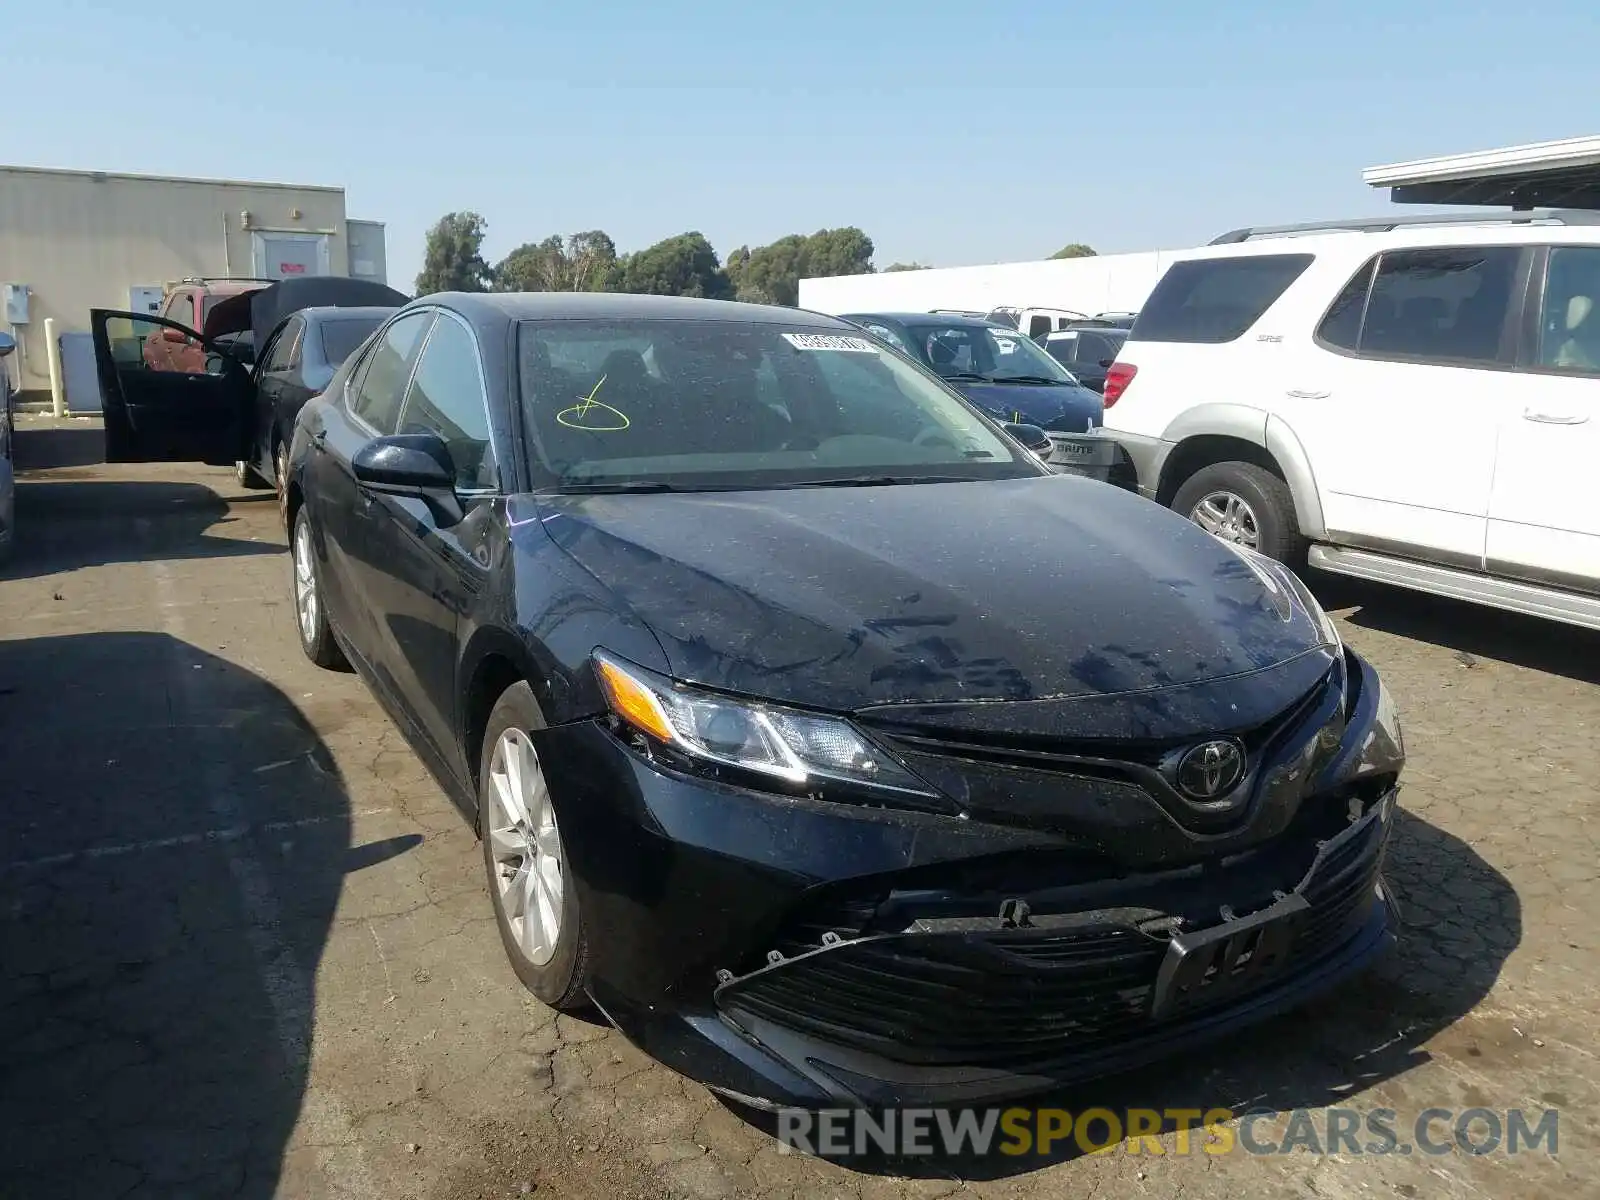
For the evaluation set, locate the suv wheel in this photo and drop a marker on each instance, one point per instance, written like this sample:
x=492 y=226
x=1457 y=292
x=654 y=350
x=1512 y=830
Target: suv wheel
x=530 y=883
x=1241 y=502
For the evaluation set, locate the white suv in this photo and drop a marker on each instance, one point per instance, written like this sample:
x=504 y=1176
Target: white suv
x=1412 y=401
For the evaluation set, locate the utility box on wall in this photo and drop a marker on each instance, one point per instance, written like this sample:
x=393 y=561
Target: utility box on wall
x=146 y=298
x=14 y=299
x=368 y=259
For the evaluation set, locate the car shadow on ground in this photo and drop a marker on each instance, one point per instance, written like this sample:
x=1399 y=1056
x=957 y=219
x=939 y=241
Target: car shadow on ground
x=64 y=498
x=166 y=908
x=1460 y=920
x=1471 y=630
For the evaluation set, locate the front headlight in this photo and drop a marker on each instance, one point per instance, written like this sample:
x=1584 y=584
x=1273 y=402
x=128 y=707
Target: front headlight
x=796 y=747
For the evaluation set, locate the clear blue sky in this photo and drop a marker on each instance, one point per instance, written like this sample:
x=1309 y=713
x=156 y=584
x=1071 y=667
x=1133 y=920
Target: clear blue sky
x=952 y=133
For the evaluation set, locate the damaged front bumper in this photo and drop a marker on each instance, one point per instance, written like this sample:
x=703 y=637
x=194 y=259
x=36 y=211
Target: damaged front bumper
x=790 y=951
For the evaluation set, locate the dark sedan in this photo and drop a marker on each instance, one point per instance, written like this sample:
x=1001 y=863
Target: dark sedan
x=1002 y=372
x=831 y=745
x=298 y=331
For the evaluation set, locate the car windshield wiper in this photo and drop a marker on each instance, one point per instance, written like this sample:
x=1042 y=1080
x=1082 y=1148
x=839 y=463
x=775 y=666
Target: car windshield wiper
x=970 y=375
x=877 y=480
x=614 y=487
x=1030 y=379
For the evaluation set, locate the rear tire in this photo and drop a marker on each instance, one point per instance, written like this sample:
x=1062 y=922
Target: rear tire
x=248 y=477
x=531 y=886
x=311 y=615
x=1245 y=503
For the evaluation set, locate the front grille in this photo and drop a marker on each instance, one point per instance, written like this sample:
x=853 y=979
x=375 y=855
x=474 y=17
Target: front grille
x=1009 y=997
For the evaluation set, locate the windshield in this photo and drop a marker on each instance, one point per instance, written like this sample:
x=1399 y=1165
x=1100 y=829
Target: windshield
x=726 y=404
x=341 y=336
x=997 y=355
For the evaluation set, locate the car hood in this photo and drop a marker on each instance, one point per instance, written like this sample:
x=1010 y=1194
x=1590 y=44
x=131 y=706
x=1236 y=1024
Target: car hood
x=947 y=598
x=1066 y=409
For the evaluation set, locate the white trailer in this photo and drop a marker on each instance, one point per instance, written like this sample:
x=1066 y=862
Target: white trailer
x=1107 y=283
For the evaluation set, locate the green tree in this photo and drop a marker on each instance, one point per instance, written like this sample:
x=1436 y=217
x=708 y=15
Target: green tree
x=452 y=258
x=910 y=266
x=684 y=265
x=771 y=274
x=580 y=262
x=1074 y=250
x=734 y=267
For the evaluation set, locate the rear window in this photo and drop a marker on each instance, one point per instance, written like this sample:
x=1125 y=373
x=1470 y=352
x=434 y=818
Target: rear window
x=1215 y=299
x=340 y=338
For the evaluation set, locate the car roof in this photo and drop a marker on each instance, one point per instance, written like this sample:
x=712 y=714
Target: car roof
x=924 y=318
x=333 y=312
x=487 y=307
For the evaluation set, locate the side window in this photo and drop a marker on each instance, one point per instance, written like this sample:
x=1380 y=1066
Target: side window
x=296 y=347
x=1038 y=326
x=1569 y=325
x=383 y=374
x=139 y=344
x=447 y=397
x=180 y=308
x=1445 y=304
x=1341 y=327
x=1214 y=300
x=278 y=358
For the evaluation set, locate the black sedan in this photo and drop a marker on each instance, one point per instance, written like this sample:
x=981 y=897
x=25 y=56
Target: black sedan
x=298 y=331
x=832 y=746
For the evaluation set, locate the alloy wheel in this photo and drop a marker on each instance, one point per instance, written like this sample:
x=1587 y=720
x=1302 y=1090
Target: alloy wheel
x=525 y=842
x=280 y=465
x=306 y=602
x=1227 y=515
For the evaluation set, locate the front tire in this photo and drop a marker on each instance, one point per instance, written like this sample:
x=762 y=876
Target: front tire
x=1244 y=503
x=311 y=615
x=530 y=885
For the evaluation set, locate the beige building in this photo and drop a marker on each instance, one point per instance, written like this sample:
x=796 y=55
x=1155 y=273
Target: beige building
x=75 y=240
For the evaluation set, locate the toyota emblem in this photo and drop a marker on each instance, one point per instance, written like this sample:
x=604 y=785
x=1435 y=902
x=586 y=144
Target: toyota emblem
x=1211 y=769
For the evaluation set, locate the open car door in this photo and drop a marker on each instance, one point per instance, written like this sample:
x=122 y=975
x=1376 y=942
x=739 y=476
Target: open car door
x=161 y=414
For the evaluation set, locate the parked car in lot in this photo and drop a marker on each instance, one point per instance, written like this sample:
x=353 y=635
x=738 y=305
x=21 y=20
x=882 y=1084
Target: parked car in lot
x=780 y=753
x=8 y=480
x=1087 y=349
x=1413 y=401
x=303 y=329
x=189 y=305
x=1003 y=373
x=1039 y=323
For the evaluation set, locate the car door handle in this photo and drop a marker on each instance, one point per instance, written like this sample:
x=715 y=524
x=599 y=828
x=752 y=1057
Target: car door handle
x=1303 y=394
x=1549 y=418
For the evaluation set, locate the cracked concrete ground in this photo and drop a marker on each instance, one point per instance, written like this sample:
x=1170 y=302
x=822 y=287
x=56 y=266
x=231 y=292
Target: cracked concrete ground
x=245 y=948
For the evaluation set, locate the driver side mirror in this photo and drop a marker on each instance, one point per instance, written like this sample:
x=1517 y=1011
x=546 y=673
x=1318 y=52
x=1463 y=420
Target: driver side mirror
x=7 y=344
x=1031 y=436
x=411 y=464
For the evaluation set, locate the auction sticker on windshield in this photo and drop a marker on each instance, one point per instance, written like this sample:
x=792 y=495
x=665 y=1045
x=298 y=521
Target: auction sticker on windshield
x=829 y=341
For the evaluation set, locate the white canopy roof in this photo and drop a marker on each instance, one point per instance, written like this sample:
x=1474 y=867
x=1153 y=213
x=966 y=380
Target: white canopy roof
x=1560 y=174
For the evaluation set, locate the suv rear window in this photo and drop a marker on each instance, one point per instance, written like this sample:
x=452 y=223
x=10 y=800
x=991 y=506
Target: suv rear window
x=1215 y=299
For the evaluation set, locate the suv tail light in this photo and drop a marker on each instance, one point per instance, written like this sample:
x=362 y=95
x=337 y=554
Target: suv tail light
x=1118 y=376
